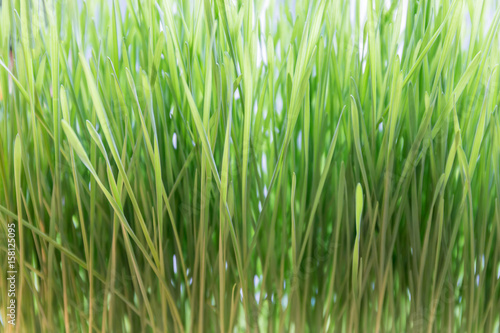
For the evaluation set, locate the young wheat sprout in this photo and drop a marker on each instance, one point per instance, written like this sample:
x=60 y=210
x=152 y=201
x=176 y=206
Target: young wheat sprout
x=249 y=166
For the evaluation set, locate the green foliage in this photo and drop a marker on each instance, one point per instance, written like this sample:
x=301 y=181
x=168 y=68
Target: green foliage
x=234 y=165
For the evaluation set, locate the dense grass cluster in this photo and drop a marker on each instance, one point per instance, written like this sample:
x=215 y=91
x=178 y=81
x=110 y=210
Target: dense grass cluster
x=234 y=165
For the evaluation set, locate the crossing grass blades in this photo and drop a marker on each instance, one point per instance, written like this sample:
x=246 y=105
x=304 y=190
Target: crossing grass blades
x=261 y=166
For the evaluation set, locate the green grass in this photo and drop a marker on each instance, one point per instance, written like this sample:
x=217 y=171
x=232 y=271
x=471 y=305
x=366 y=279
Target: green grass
x=220 y=165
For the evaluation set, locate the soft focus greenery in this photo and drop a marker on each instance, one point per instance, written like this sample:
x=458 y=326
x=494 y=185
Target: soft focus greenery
x=237 y=165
